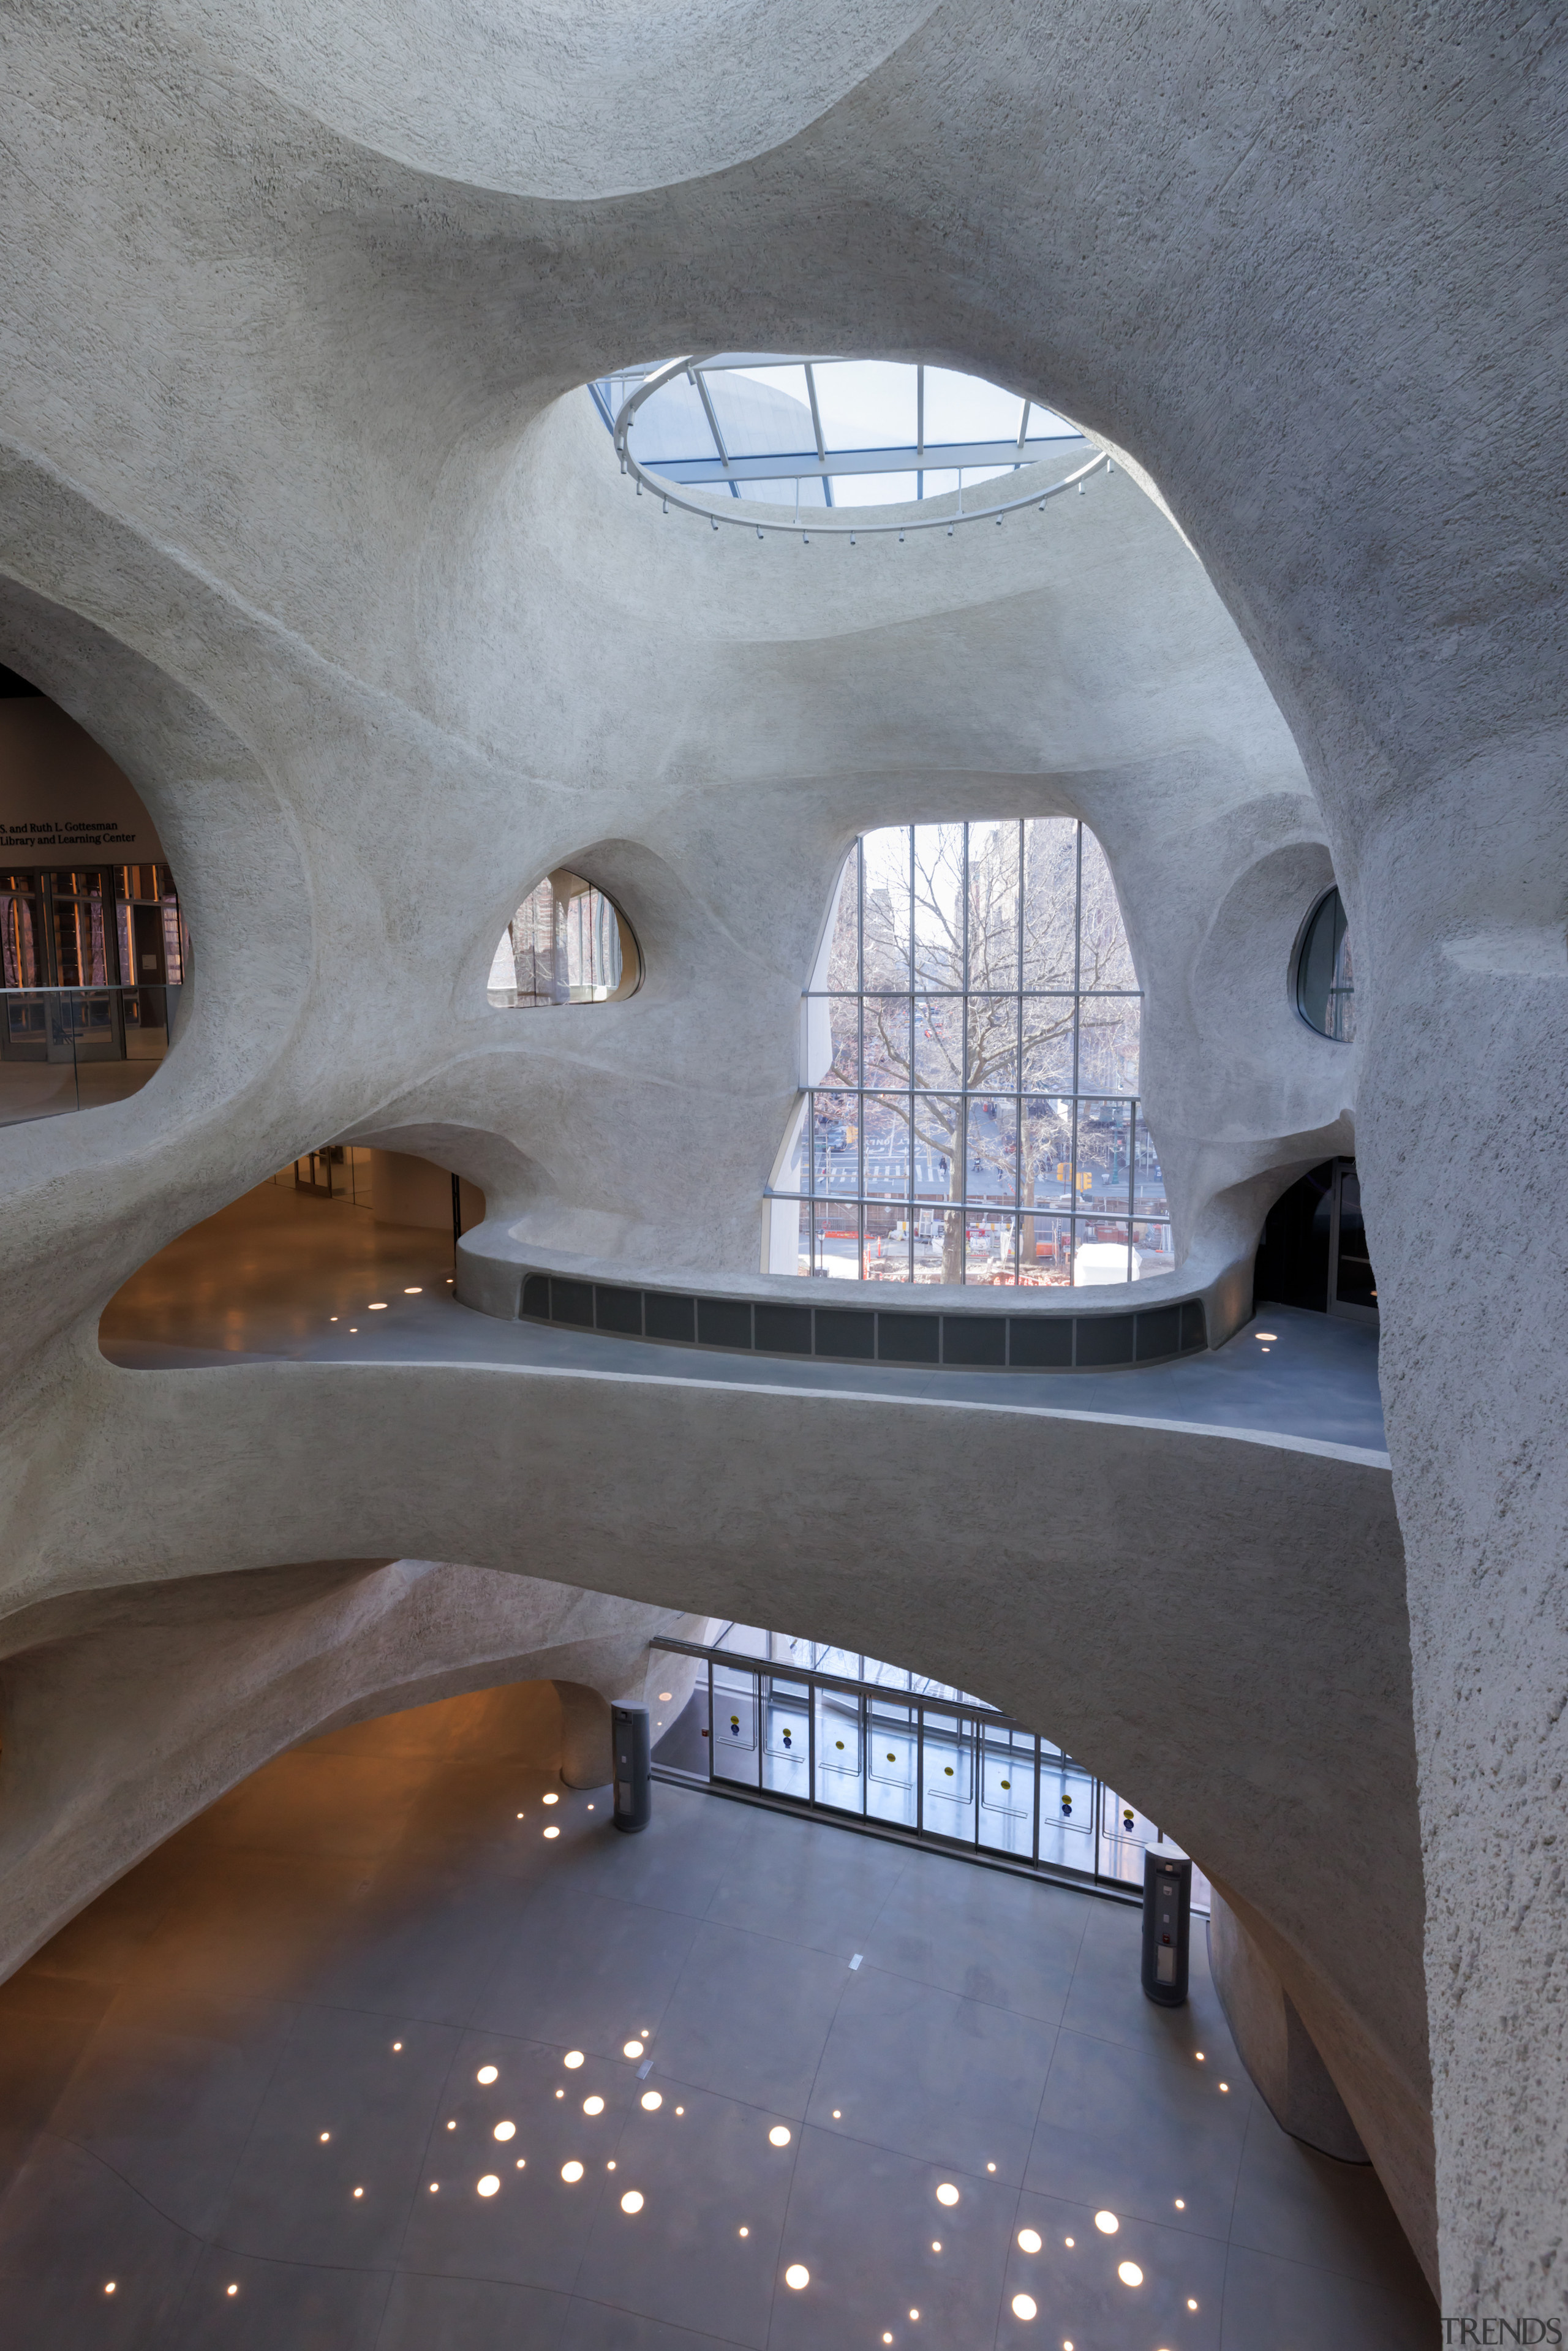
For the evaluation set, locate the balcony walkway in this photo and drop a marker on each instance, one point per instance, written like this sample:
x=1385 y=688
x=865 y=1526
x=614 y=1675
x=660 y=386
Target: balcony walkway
x=283 y=1276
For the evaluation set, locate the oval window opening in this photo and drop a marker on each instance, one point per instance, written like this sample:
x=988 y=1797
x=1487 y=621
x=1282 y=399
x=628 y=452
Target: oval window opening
x=1325 y=977
x=566 y=944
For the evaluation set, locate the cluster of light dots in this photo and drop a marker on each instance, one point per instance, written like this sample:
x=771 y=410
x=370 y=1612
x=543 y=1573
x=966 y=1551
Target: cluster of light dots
x=796 y=2276
x=571 y=2171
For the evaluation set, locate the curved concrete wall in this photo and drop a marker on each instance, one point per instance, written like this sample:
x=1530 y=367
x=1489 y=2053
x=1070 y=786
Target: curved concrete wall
x=294 y=519
x=1036 y=1556
x=126 y=1709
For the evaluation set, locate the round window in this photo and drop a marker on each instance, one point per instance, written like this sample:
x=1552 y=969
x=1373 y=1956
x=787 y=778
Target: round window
x=1325 y=979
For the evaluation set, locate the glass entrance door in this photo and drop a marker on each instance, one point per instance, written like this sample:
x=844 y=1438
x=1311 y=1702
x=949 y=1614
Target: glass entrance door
x=1352 y=1285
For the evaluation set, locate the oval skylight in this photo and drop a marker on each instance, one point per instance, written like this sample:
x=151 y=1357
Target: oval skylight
x=818 y=432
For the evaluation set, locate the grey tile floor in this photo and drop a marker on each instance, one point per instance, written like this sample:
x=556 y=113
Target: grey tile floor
x=246 y=2087
x=284 y=1275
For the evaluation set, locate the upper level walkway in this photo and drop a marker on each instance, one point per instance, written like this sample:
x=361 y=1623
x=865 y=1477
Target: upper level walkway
x=282 y=1276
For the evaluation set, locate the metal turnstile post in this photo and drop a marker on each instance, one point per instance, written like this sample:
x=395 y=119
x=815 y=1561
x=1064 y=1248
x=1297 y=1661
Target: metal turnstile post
x=633 y=1772
x=1167 y=1922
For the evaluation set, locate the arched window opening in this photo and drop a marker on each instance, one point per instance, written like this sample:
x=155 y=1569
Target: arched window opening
x=566 y=944
x=93 y=949
x=1325 y=979
x=970 y=1066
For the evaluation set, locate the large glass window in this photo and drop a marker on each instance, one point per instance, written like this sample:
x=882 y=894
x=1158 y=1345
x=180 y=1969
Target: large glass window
x=566 y=944
x=970 y=1045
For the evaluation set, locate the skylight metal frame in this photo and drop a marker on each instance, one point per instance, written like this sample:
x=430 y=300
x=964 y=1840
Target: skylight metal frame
x=728 y=471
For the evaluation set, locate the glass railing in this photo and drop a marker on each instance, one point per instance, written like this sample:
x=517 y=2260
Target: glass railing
x=65 y=1049
x=879 y=1749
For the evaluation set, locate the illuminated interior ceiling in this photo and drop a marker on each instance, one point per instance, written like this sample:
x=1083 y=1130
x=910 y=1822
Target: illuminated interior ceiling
x=766 y=429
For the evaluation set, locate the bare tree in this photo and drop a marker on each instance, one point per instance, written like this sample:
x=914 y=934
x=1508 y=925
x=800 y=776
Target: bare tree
x=971 y=967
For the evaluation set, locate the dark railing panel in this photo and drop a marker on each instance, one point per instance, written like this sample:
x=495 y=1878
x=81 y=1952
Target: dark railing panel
x=865 y=1334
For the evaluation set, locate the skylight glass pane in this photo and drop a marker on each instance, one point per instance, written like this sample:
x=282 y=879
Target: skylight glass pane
x=789 y=379
x=762 y=414
x=781 y=493
x=672 y=425
x=868 y=403
x=962 y=408
x=1044 y=425
x=875 y=489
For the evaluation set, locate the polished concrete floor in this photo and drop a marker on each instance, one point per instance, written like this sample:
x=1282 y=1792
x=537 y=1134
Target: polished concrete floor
x=284 y=1273
x=262 y=2086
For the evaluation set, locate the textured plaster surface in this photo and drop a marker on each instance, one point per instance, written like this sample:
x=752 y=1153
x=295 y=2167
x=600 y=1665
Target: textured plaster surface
x=127 y=1709
x=296 y=520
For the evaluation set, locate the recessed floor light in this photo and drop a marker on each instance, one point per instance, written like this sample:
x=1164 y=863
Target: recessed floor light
x=487 y=2074
x=571 y=2173
x=1129 y=2273
x=488 y=2185
x=778 y=2136
x=796 y=2275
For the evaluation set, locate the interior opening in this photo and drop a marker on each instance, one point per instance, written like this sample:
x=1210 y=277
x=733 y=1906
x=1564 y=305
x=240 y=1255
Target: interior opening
x=567 y=942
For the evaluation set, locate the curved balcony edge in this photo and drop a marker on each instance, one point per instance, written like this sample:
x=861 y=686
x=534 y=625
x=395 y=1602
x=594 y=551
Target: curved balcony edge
x=766 y=1315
